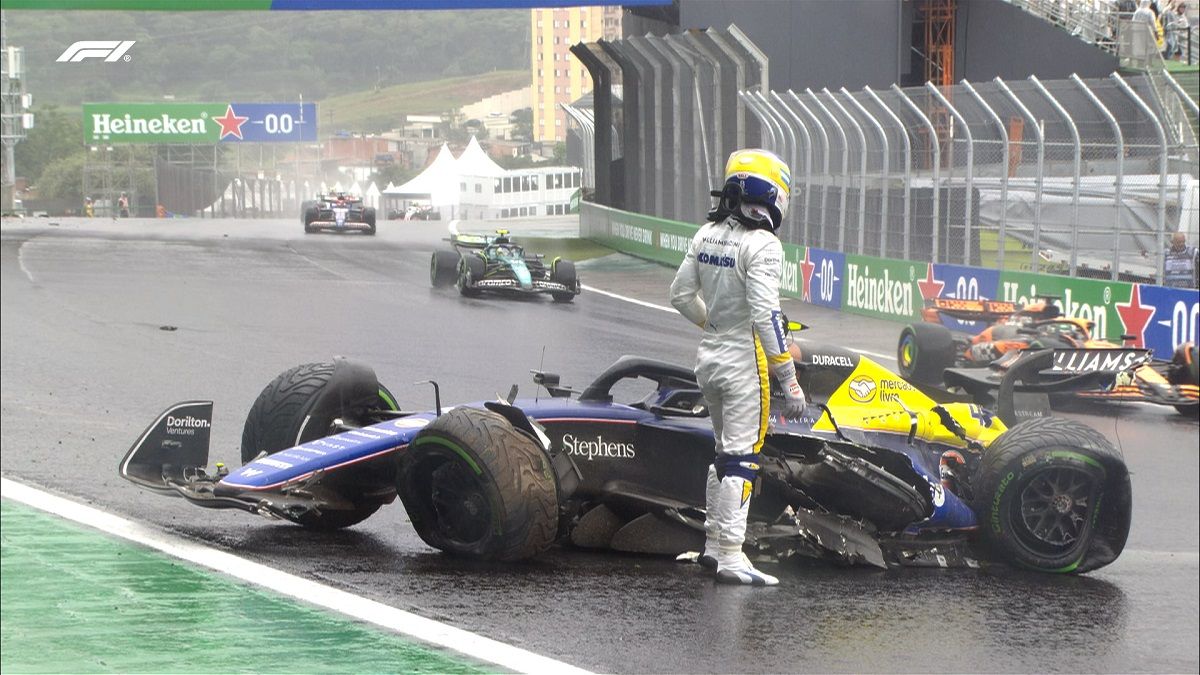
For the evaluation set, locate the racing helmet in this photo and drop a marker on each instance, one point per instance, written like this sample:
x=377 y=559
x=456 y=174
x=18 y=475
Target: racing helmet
x=757 y=187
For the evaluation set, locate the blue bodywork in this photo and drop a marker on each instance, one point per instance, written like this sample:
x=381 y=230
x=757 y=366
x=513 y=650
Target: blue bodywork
x=623 y=456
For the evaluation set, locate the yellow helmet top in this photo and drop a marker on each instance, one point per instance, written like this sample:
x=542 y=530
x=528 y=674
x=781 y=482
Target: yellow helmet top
x=761 y=179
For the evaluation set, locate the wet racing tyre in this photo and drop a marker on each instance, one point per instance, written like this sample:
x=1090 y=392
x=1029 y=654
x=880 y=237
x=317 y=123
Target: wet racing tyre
x=1053 y=495
x=369 y=218
x=443 y=268
x=563 y=272
x=1185 y=373
x=475 y=486
x=311 y=213
x=300 y=405
x=470 y=270
x=925 y=350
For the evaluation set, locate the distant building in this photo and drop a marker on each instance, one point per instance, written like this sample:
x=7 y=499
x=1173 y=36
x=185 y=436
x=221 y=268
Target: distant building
x=472 y=186
x=558 y=77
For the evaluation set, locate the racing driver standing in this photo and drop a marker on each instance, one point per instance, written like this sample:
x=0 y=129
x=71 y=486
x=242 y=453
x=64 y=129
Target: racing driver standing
x=728 y=284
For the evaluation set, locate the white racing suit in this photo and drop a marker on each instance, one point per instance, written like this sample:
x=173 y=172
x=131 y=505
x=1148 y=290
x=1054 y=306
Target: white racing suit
x=728 y=284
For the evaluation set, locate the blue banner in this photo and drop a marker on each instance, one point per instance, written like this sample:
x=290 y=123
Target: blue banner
x=822 y=272
x=1160 y=318
x=269 y=123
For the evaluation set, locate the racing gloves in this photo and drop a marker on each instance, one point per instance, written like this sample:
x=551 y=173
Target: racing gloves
x=793 y=396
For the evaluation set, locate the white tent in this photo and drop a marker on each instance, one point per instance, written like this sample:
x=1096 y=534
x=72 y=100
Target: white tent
x=371 y=196
x=475 y=162
x=438 y=183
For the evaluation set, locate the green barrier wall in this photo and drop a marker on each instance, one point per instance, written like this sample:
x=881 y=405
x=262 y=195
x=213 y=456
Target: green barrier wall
x=1156 y=317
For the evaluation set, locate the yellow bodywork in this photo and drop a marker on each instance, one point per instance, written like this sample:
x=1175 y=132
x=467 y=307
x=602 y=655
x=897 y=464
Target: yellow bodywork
x=875 y=399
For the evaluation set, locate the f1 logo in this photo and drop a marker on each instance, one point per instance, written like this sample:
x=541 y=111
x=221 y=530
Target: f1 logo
x=109 y=50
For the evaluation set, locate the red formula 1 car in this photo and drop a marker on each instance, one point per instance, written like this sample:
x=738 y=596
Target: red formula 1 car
x=931 y=354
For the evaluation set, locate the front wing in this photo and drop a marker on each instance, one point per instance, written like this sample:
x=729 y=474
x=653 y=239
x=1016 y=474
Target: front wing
x=537 y=286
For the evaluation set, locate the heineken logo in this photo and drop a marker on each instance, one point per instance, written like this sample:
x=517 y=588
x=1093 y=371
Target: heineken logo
x=881 y=294
x=104 y=125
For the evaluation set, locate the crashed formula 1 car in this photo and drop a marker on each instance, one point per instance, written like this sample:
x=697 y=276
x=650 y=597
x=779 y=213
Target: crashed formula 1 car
x=496 y=264
x=338 y=212
x=930 y=354
x=875 y=473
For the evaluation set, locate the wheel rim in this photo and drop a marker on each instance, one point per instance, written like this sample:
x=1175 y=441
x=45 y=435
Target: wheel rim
x=460 y=505
x=1054 y=508
x=907 y=352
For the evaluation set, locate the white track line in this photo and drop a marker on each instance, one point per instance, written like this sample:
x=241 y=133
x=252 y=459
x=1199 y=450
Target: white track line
x=397 y=620
x=664 y=308
x=21 y=262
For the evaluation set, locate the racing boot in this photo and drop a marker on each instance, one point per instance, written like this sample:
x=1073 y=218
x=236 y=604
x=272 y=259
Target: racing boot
x=733 y=507
x=712 y=528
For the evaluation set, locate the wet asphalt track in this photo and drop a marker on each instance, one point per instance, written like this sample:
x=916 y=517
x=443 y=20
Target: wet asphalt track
x=86 y=365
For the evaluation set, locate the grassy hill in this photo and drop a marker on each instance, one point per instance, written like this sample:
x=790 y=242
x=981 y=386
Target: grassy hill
x=381 y=110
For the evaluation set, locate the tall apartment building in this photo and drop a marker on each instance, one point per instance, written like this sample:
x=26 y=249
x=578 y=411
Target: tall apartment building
x=559 y=77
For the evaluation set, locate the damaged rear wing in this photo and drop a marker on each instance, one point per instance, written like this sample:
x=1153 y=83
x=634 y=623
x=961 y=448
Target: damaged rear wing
x=966 y=309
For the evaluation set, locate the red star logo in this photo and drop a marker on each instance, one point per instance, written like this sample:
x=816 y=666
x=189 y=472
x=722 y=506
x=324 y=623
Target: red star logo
x=1136 y=316
x=231 y=124
x=930 y=287
x=806 y=270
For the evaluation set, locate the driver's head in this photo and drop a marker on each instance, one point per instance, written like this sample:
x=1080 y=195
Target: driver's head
x=1178 y=241
x=762 y=182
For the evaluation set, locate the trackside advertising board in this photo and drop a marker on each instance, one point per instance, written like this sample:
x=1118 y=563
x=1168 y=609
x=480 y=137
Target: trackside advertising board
x=199 y=123
x=882 y=288
x=1158 y=318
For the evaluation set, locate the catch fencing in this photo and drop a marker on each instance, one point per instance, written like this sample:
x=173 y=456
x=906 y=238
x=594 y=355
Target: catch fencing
x=1084 y=177
x=1080 y=177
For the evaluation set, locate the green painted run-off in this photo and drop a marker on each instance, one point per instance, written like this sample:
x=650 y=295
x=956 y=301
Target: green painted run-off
x=76 y=601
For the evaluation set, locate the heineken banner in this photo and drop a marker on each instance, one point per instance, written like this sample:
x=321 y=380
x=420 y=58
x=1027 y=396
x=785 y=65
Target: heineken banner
x=883 y=288
x=1157 y=318
x=199 y=123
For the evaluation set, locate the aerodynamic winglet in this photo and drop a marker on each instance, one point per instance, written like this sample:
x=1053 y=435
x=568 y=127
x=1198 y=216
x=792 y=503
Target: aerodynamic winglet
x=175 y=445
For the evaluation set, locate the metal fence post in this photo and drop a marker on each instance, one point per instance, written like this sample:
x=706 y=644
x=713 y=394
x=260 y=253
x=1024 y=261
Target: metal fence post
x=749 y=101
x=907 y=173
x=799 y=124
x=1039 y=180
x=678 y=151
x=937 y=161
x=739 y=79
x=701 y=181
x=1183 y=95
x=1003 y=174
x=845 y=169
x=714 y=62
x=653 y=117
x=824 y=162
x=787 y=140
x=970 y=170
x=884 y=170
x=787 y=131
x=1078 y=159
x=1112 y=122
x=862 y=169
x=1162 y=170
